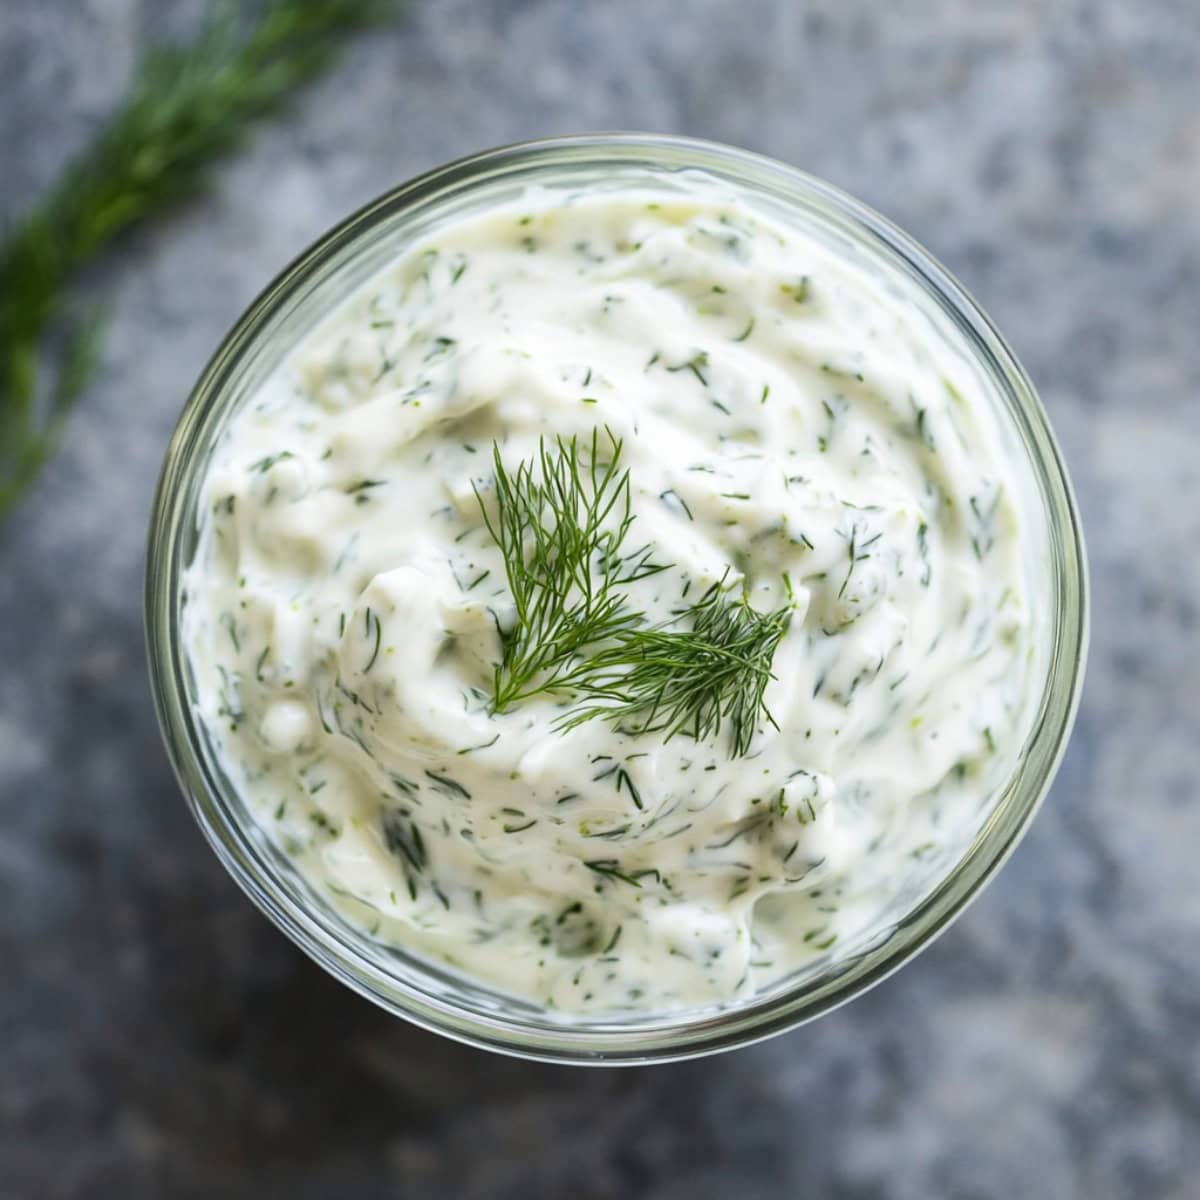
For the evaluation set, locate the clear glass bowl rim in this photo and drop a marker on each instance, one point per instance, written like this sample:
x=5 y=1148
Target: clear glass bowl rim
x=666 y=1039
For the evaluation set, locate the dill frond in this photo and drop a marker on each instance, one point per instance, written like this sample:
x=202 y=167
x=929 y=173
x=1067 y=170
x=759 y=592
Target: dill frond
x=561 y=521
x=694 y=680
x=188 y=105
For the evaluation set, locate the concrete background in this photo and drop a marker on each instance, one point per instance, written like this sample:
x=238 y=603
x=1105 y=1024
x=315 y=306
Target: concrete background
x=159 y=1039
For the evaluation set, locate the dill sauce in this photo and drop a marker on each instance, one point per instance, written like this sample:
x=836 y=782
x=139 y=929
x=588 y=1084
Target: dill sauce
x=787 y=417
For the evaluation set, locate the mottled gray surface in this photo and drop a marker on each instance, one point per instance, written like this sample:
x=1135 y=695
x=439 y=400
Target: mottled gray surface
x=159 y=1039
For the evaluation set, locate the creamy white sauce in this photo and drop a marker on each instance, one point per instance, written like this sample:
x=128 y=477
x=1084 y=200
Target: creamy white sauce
x=789 y=417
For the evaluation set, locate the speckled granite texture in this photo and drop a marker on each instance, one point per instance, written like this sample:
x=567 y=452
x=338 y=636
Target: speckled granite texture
x=159 y=1039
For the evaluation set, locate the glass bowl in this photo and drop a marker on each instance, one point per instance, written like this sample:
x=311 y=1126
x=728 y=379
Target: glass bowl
x=318 y=281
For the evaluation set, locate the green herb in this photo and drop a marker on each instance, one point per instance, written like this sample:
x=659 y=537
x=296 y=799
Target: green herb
x=230 y=706
x=481 y=746
x=610 y=868
x=263 y=465
x=561 y=531
x=448 y=786
x=521 y=826
x=678 y=500
x=984 y=509
x=372 y=621
x=920 y=428
x=189 y=104
x=624 y=780
x=689 y=681
x=229 y=623
x=855 y=555
x=697 y=364
x=609 y=835
x=923 y=552
x=402 y=837
x=798 y=292
x=561 y=522
x=363 y=485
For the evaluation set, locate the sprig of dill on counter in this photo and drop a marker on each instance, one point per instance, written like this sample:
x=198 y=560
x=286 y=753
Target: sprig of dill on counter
x=561 y=520
x=188 y=105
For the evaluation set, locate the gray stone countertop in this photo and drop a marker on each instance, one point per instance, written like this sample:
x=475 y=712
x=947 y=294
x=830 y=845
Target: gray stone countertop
x=159 y=1039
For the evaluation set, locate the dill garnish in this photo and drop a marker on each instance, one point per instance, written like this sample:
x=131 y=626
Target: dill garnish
x=561 y=521
x=689 y=681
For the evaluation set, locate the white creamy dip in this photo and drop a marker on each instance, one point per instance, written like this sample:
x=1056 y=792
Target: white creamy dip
x=792 y=424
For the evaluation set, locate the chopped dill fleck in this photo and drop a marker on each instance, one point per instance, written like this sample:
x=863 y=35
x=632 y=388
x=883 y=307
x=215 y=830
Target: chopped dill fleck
x=678 y=499
x=481 y=746
x=363 y=485
x=265 y=464
x=447 y=785
x=610 y=868
x=697 y=364
x=373 y=622
x=520 y=828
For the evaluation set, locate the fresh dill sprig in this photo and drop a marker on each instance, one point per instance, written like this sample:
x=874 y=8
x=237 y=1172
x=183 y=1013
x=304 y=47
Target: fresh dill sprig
x=188 y=105
x=689 y=681
x=561 y=521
